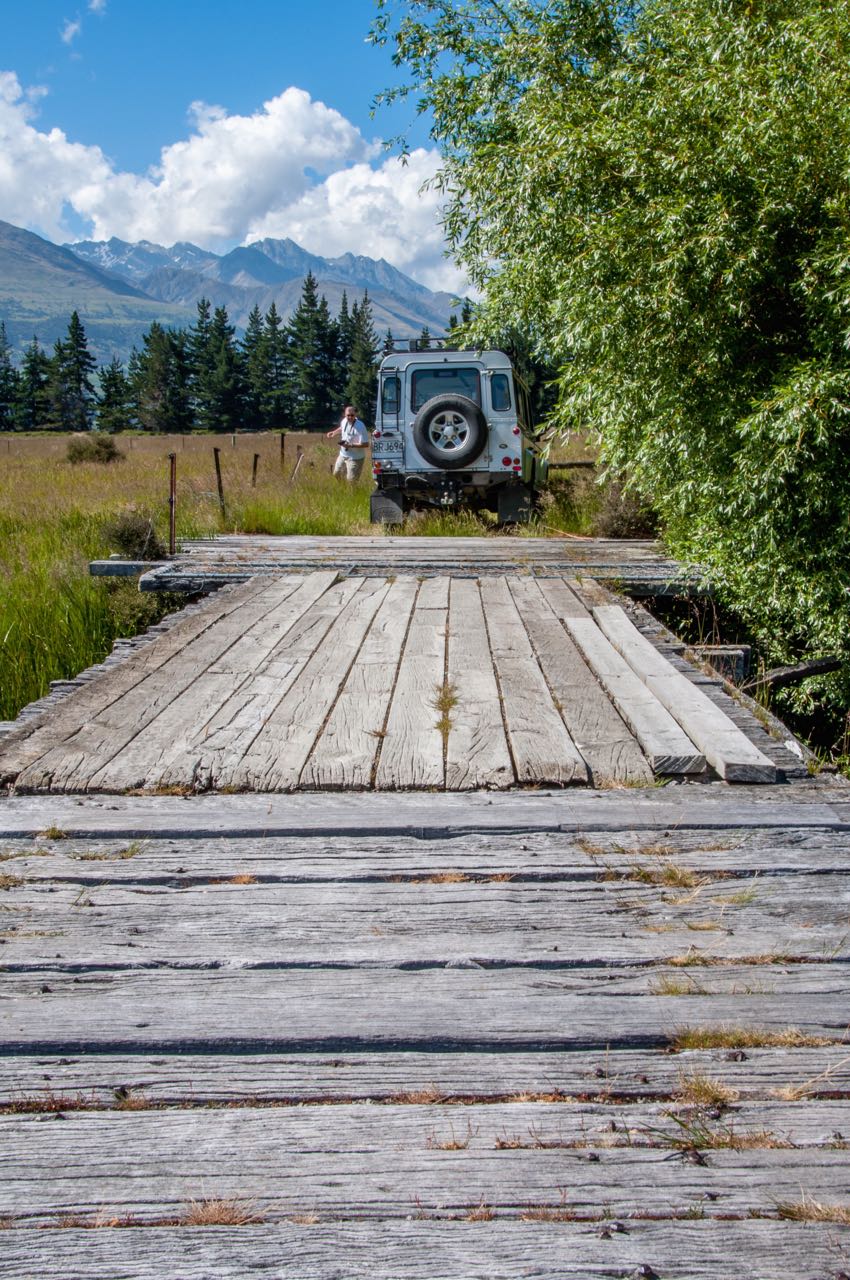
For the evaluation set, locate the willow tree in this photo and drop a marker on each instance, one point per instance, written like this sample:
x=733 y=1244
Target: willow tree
x=658 y=195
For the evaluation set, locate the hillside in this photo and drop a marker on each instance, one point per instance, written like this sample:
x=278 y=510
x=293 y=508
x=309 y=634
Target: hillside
x=42 y=283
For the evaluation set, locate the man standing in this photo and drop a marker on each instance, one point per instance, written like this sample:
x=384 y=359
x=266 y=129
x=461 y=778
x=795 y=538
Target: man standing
x=353 y=440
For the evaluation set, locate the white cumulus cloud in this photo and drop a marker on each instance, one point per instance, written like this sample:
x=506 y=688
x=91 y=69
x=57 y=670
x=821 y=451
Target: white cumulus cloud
x=388 y=212
x=295 y=167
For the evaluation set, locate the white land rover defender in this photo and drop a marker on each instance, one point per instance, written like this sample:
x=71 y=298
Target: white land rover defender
x=452 y=429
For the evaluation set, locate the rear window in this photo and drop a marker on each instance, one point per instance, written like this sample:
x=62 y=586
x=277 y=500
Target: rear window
x=445 y=381
x=500 y=392
x=390 y=395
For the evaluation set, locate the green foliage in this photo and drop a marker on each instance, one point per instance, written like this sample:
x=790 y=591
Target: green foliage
x=94 y=447
x=657 y=195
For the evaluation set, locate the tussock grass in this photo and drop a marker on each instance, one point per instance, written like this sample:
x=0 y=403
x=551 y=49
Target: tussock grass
x=701 y=1090
x=231 y=1212
x=809 y=1210
x=731 y=1037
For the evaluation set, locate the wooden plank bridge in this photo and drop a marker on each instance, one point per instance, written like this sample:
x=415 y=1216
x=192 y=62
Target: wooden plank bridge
x=424 y=1009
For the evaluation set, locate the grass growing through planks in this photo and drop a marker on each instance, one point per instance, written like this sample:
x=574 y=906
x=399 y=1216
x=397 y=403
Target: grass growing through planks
x=230 y=1212
x=700 y=1090
x=10 y=882
x=809 y=1210
x=730 y=1037
x=445 y=701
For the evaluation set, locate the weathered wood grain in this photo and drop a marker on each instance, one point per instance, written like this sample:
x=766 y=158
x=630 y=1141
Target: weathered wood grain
x=308 y=674
x=666 y=746
x=597 y=730
x=477 y=753
x=73 y=761
x=756 y=856
x=344 y=755
x=412 y=748
x=189 y=919
x=458 y=1007
x=724 y=746
x=423 y=1077
x=542 y=749
x=499 y=1249
x=813 y=804
x=362 y=1160
x=24 y=747
x=180 y=747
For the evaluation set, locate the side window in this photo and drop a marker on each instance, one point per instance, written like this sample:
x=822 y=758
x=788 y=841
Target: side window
x=500 y=392
x=390 y=396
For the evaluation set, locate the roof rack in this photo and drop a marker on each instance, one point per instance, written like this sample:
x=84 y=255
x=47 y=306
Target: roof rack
x=436 y=342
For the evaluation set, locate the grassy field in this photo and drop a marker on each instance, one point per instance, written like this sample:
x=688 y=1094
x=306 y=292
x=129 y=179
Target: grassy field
x=55 y=620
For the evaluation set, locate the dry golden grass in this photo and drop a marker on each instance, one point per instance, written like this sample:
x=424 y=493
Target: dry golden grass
x=447 y=877
x=479 y=1213
x=11 y=882
x=453 y=1143
x=731 y=1037
x=809 y=1210
x=227 y=1212
x=704 y=1091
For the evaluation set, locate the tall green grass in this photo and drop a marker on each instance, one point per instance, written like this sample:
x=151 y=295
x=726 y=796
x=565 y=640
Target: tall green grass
x=55 y=620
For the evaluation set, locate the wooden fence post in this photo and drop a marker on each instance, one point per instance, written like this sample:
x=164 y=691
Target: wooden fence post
x=216 y=453
x=254 y=471
x=172 y=505
x=283 y=450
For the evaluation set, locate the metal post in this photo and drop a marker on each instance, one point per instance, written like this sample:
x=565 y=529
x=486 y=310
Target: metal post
x=216 y=453
x=172 y=506
x=254 y=471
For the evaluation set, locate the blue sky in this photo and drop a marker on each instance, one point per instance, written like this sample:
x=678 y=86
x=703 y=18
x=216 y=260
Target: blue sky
x=218 y=123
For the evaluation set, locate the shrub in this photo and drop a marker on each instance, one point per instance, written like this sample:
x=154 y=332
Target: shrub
x=133 y=534
x=94 y=447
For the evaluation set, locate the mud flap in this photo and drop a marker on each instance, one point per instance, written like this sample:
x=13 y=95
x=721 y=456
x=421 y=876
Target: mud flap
x=386 y=506
x=515 y=504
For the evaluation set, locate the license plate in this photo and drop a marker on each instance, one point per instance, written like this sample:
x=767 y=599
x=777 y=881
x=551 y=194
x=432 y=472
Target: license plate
x=387 y=448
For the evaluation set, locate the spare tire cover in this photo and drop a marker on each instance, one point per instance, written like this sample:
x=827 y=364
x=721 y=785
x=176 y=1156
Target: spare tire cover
x=450 y=431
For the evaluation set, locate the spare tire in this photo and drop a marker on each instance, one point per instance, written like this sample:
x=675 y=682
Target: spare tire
x=450 y=431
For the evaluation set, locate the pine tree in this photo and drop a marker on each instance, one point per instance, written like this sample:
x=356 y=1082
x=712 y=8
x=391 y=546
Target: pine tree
x=345 y=344
x=312 y=350
x=389 y=343
x=223 y=405
x=32 y=410
x=255 y=360
x=274 y=403
x=424 y=340
x=200 y=358
x=161 y=382
x=71 y=391
x=114 y=404
x=8 y=383
x=361 y=387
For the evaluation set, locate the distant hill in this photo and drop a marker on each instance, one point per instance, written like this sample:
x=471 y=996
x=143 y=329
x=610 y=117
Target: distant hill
x=265 y=272
x=120 y=288
x=42 y=283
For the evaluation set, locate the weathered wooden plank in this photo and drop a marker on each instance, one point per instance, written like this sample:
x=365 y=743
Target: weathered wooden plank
x=594 y=725
x=22 y=749
x=751 y=857
x=221 y=919
x=477 y=752
x=562 y=596
x=412 y=749
x=366 y=1161
x=275 y=758
x=172 y=750
x=814 y=803
x=424 y=1077
x=386 y=1249
x=666 y=746
x=344 y=755
x=722 y=743
x=73 y=761
x=462 y=1007
x=543 y=751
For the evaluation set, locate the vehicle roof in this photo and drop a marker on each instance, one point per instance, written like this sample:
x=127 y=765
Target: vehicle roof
x=400 y=361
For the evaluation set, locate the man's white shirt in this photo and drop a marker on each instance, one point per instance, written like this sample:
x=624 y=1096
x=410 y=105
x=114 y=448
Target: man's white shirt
x=354 y=438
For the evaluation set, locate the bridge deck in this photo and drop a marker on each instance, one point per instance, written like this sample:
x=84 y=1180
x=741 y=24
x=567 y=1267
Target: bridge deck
x=315 y=681
x=573 y=1035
